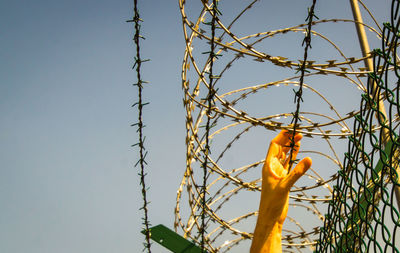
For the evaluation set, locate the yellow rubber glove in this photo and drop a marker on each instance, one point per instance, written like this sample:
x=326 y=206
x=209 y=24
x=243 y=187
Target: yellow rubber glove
x=276 y=184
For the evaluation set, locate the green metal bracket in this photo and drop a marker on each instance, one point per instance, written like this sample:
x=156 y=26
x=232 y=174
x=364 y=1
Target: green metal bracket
x=172 y=241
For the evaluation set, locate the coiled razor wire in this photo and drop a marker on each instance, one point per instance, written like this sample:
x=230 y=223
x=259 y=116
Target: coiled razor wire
x=363 y=215
x=230 y=220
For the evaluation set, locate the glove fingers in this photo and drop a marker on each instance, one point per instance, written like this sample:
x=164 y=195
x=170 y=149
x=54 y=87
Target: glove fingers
x=297 y=172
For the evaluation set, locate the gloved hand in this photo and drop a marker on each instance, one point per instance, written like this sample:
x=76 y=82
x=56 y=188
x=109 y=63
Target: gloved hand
x=276 y=184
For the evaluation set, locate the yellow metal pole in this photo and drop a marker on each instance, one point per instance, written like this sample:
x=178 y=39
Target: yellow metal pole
x=362 y=36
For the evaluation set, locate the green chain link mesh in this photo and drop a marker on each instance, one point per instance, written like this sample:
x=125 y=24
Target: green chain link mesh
x=363 y=215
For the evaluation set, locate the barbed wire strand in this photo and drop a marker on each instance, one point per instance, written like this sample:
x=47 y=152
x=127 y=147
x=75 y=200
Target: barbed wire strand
x=210 y=103
x=140 y=104
x=299 y=93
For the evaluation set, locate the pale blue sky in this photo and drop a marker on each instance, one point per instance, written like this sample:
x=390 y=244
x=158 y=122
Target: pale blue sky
x=67 y=178
x=67 y=181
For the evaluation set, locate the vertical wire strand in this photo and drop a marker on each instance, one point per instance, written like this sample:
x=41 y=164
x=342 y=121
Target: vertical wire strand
x=210 y=102
x=299 y=93
x=142 y=153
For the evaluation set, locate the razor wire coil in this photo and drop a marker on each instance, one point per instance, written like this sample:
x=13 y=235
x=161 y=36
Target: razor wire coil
x=225 y=183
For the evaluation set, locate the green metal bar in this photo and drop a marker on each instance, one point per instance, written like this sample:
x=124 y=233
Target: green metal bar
x=172 y=241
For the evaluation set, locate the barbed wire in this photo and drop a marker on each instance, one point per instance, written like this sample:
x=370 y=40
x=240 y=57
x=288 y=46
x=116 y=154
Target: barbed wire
x=299 y=93
x=140 y=126
x=210 y=103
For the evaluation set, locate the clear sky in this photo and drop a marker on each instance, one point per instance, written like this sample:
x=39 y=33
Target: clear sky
x=67 y=176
